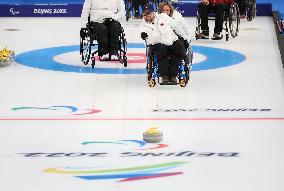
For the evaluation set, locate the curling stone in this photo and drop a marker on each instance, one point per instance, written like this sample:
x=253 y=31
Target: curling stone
x=152 y=135
x=6 y=57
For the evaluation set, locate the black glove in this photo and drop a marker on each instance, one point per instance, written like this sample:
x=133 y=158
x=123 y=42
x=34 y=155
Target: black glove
x=108 y=20
x=144 y=35
x=186 y=44
x=83 y=32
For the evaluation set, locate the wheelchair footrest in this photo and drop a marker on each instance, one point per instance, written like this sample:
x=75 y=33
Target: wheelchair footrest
x=168 y=83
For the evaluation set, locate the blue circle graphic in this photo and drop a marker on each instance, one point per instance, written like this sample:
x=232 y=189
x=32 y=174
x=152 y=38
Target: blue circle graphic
x=43 y=59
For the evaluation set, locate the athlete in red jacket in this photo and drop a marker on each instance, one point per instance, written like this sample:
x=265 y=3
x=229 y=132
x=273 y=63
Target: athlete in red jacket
x=208 y=6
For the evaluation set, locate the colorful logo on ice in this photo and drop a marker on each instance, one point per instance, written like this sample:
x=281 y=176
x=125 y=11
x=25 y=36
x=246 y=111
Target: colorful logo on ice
x=138 y=143
x=123 y=174
x=65 y=108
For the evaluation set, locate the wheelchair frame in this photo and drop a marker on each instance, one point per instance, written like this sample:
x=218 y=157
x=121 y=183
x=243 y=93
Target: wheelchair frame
x=153 y=73
x=89 y=40
x=250 y=9
x=231 y=18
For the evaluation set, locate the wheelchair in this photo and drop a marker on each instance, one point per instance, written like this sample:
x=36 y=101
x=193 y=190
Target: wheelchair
x=90 y=40
x=250 y=9
x=152 y=67
x=231 y=21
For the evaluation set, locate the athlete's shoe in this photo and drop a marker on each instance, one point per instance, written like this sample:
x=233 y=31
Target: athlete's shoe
x=217 y=36
x=203 y=35
x=114 y=57
x=104 y=57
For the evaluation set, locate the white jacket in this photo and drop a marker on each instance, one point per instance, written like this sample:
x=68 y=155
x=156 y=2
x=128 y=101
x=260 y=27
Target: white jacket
x=102 y=9
x=163 y=30
x=178 y=18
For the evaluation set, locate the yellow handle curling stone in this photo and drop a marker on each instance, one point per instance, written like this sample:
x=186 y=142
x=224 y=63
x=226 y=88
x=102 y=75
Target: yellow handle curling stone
x=153 y=135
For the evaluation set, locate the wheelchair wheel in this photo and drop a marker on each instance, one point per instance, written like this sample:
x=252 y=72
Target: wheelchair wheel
x=124 y=48
x=251 y=9
x=183 y=75
x=183 y=81
x=198 y=26
x=85 y=48
x=150 y=68
x=93 y=62
x=189 y=64
x=124 y=61
x=234 y=20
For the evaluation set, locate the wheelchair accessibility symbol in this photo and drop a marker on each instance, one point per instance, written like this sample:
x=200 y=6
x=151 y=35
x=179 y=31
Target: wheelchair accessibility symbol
x=215 y=58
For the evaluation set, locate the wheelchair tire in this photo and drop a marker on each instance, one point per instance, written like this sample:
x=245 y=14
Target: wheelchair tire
x=198 y=26
x=85 y=49
x=149 y=63
x=93 y=62
x=234 y=20
x=227 y=34
x=184 y=81
x=124 y=61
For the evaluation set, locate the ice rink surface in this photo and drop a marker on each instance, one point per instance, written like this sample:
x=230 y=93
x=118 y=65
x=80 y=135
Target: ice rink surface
x=80 y=129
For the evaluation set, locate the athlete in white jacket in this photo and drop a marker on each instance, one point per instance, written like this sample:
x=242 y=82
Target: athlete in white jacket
x=99 y=10
x=104 y=17
x=167 y=7
x=161 y=31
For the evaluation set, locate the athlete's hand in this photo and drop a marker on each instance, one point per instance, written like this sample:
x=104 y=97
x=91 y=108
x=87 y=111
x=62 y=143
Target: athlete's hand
x=205 y=2
x=144 y=35
x=83 y=32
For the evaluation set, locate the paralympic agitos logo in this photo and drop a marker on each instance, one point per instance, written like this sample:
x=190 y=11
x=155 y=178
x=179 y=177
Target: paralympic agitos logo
x=126 y=172
x=66 y=109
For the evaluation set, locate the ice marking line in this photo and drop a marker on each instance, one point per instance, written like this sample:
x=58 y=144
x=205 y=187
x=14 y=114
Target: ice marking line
x=150 y=119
